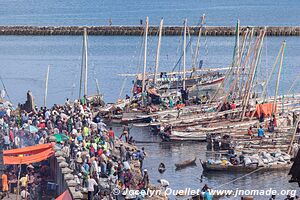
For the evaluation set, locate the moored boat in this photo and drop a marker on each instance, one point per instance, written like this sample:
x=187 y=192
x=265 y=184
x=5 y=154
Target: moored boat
x=185 y=164
x=242 y=168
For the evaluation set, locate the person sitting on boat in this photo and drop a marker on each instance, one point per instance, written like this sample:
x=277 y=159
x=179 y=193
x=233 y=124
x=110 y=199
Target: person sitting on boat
x=171 y=103
x=262 y=118
x=271 y=127
x=250 y=132
x=260 y=132
x=207 y=95
x=154 y=96
x=234 y=160
x=233 y=105
x=184 y=95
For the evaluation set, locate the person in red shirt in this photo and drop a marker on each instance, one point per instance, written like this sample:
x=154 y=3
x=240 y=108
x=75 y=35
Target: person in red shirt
x=42 y=124
x=100 y=151
x=250 y=132
x=111 y=136
x=233 y=105
x=11 y=135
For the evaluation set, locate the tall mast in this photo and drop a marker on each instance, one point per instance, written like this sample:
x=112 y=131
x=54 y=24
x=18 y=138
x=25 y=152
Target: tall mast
x=252 y=73
x=145 y=55
x=158 y=50
x=278 y=77
x=198 y=41
x=236 y=55
x=184 y=53
x=238 y=39
x=85 y=62
x=264 y=92
x=46 y=86
x=82 y=66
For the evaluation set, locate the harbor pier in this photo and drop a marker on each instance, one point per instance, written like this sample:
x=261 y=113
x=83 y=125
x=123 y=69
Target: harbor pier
x=139 y=30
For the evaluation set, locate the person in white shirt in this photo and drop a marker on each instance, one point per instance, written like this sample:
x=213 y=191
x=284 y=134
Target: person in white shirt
x=42 y=140
x=47 y=115
x=91 y=184
x=163 y=182
x=6 y=142
x=24 y=194
x=17 y=141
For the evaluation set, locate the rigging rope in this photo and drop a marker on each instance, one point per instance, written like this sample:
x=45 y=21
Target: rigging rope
x=4 y=88
x=239 y=177
x=181 y=56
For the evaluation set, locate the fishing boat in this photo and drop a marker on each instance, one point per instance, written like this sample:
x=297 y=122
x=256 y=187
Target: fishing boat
x=134 y=117
x=185 y=164
x=184 y=136
x=241 y=168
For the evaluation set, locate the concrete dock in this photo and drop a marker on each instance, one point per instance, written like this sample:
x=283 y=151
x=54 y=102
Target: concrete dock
x=139 y=30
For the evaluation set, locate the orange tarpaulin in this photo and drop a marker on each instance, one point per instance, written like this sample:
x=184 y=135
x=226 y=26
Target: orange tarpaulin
x=28 y=150
x=28 y=155
x=65 y=196
x=266 y=109
x=15 y=160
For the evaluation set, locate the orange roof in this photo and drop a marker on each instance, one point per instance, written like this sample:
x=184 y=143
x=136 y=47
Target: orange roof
x=65 y=196
x=28 y=150
x=28 y=155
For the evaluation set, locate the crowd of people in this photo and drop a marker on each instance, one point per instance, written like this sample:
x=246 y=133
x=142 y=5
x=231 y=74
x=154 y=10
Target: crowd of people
x=91 y=148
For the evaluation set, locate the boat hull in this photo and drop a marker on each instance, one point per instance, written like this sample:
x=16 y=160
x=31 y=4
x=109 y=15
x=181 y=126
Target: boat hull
x=238 y=168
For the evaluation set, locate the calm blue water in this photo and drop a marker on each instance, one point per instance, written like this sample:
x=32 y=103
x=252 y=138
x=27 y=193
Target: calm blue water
x=97 y=12
x=24 y=61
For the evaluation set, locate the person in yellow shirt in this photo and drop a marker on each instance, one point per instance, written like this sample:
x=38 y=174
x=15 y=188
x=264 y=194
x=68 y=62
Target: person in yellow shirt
x=24 y=181
x=85 y=131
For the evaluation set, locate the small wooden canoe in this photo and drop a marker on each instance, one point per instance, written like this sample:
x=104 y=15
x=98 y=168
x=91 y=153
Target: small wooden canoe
x=161 y=168
x=185 y=164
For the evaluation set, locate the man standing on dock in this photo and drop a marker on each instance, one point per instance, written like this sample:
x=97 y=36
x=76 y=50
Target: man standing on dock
x=111 y=136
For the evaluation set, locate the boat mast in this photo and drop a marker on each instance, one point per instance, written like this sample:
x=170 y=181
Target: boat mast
x=184 y=53
x=158 y=50
x=46 y=86
x=252 y=73
x=145 y=55
x=278 y=77
x=198 y=41
x=264 y=92
x=85 y=62
x=84 y=67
